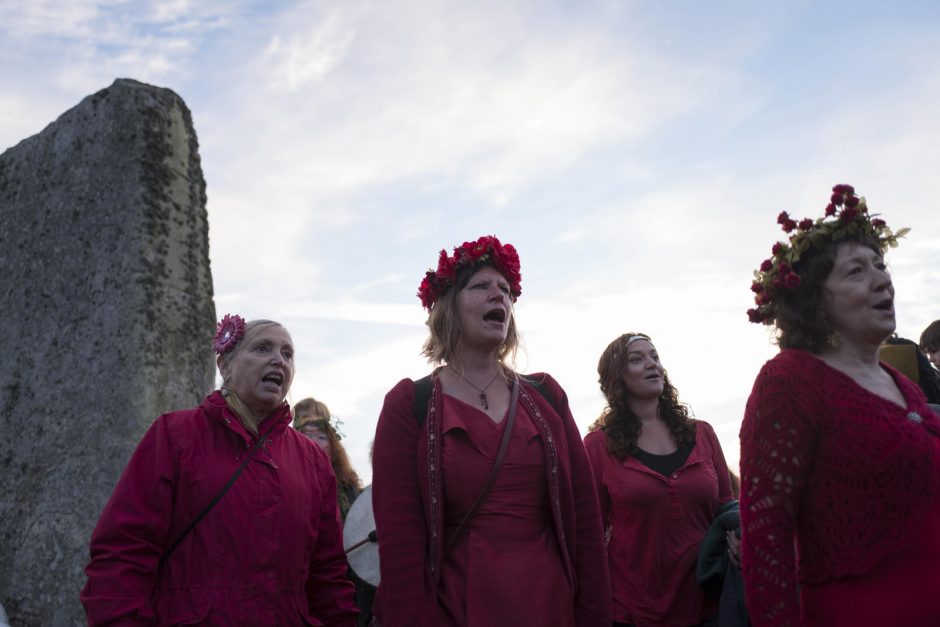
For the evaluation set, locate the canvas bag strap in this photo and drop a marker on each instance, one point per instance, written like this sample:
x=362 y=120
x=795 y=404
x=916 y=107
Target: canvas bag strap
x=497 y=465
x=218 y=497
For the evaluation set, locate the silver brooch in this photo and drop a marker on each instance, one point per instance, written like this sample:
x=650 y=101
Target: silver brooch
x=914 y=417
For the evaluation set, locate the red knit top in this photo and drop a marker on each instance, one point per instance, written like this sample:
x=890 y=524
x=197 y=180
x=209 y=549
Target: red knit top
x=846 y=473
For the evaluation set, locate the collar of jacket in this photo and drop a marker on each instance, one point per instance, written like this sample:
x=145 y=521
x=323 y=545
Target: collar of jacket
x=274 y=425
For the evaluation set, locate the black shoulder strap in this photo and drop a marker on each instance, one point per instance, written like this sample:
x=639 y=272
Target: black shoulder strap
x=423 y=389
x=541 y=389
x=192 y=525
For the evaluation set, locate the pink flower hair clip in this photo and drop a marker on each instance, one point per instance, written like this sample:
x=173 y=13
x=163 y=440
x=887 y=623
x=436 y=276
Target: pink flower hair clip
x=229 y=331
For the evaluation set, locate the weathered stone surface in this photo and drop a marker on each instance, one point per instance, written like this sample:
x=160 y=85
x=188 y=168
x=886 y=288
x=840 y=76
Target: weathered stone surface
x=107 y=317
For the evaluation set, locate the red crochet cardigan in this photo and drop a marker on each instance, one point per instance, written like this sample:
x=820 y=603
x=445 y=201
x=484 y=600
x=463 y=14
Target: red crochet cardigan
x=838 y=468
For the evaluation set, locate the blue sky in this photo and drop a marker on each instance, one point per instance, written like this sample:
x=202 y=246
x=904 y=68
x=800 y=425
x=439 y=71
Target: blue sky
x=636 y=153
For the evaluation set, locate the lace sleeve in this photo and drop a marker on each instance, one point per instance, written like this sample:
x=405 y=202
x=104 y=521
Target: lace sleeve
x=777 y=438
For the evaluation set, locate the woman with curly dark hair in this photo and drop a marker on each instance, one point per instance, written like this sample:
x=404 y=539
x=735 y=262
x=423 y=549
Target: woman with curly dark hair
x=840 y=454
x=661 y=477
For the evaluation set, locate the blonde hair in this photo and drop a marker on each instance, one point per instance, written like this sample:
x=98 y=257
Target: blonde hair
x=444 y=327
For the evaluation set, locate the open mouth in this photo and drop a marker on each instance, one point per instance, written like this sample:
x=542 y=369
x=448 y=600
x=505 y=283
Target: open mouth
x=495 y=315
x=274 y=378
x=884 y=305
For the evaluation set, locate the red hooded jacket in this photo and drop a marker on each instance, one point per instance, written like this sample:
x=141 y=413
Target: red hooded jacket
x=269 y=552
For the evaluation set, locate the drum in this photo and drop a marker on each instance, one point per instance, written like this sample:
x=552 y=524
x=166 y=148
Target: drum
x=359 y=539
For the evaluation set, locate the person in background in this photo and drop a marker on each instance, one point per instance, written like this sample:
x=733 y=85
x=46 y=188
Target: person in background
x=312 y=418
x=930 y=343
x=484 y=504
x=224 y=515
x=840 y=455
x=661 y=477
x=926 y=375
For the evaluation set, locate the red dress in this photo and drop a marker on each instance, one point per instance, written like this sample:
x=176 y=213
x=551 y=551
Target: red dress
x=409 y=495
x=840 y=500
x=508 y=550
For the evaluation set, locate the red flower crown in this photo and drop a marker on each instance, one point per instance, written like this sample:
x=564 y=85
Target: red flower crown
x=845 y=215
x=228 y=332
x=486 y=249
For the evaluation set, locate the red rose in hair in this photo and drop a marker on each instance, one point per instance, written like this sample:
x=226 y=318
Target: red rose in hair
x=487 y=248
x=783 y=218
x=830 y=210
x=848 y=214
x=777 y=248
x=836 y=198
x=754 y=315
x=766 y=265
x=878 y=223
x=446 y=266
x=756 y=287
x=806 y=224
x=791 y=281
x=851 y=201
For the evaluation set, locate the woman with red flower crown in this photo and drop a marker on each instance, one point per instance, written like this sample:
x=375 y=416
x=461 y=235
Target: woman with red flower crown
x=840 y=455
x=484 y=503
x=225 y=515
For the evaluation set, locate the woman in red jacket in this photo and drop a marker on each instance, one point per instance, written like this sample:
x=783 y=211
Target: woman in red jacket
x=531 y=552
x=840 y=455
x=268 y=552
x=661 y=477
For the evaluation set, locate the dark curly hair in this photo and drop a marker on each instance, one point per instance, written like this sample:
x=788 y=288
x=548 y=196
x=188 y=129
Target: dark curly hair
x=799 y=318
x=618 y=421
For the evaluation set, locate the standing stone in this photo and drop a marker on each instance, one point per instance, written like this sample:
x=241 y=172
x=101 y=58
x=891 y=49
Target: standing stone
x=106 y=319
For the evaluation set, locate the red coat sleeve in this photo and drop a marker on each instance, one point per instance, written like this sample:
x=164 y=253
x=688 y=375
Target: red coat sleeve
x=330 y=593
x=405 y=597
x=593 y=597
x=777 y=438
x=596 y=446
x=131 y=534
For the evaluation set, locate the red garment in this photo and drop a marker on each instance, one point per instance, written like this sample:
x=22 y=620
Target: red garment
x=508 y=550
x=270 y=552
x=656 y=526
x=851 y=477
x=408 y=498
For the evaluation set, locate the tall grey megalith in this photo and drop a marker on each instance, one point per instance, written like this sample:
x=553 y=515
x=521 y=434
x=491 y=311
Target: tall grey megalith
x=106 y=319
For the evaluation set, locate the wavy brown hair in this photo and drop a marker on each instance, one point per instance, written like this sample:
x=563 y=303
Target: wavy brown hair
x=799 y=315
x=618 y=421
x=345 y=475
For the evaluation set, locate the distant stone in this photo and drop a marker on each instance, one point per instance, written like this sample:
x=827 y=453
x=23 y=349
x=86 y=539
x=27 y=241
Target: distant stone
x=106 y=319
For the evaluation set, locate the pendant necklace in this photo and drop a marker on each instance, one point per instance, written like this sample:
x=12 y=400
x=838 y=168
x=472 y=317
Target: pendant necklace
x=484 y=401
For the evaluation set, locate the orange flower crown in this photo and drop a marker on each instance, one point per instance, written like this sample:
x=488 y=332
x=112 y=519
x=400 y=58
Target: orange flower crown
x=486 y=249
x=846 y=215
